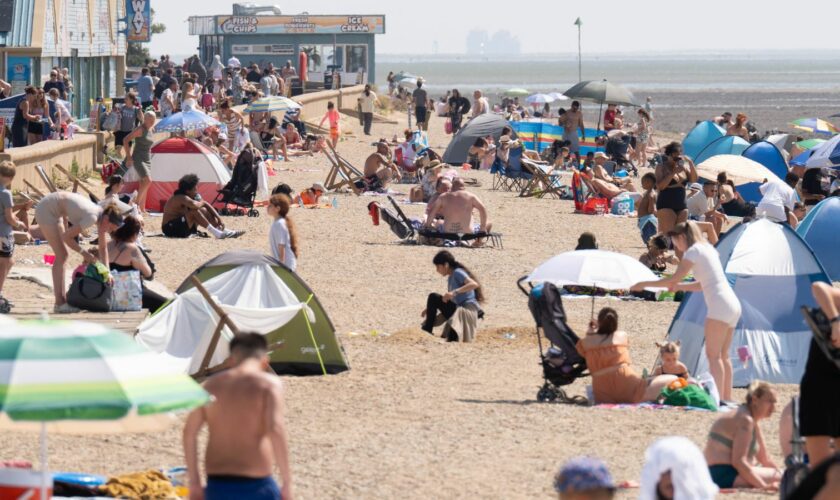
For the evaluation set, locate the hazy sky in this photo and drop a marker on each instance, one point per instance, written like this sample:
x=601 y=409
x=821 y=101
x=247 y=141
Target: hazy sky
x=547 y=25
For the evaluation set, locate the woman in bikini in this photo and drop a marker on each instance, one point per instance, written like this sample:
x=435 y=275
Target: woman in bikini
x=672 y=177
x=607 y=355
x=735 y=451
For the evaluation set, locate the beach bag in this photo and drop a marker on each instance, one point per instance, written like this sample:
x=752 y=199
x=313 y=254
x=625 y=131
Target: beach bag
x=596 y=206
x=112 y=121
x=127 y=291
x=109 y=169
x=90 y=294
x=689 y=395
x=447 y=126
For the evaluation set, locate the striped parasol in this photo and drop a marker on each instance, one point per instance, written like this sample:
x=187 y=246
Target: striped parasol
x=78 y=377
x=815 y=126
x=810 y=143
x=271 y=104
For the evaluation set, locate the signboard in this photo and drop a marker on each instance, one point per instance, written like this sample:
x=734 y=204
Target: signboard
x=19 y=73
x=272 y=49
x=138 y=14
x=6 y=14
x=287 y=25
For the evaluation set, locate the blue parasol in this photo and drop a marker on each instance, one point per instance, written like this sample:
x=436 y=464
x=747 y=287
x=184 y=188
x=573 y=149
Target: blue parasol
x=186 y=121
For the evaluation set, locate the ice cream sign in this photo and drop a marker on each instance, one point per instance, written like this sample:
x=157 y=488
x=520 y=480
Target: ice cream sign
x=300 y=24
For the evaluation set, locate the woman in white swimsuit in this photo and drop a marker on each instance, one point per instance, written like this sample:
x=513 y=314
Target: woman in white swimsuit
x=78 y=214
x=723 y=307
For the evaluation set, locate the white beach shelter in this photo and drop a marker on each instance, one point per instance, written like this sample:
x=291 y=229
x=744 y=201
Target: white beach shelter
x=174 y=158
x=771 y=270
x=252 y=295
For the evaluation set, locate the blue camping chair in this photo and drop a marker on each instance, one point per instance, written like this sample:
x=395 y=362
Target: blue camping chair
x=515 y=174
x=499 y=172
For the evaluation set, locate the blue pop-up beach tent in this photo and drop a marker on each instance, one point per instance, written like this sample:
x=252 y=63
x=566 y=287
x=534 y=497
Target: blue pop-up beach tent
x=703 y=134
x=771 y=269
x=727 y=145
x=821 y=230
x=767 y=154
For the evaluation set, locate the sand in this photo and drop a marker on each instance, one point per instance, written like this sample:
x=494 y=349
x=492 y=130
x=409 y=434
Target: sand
x=416 y=417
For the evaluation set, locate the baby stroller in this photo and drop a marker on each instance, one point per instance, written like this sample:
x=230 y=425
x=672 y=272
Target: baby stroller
x=796 y=467
x=241 y=190
x=561 y=363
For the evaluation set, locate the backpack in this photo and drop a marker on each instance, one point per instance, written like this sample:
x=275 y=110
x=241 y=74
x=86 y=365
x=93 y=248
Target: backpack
x=207 y=101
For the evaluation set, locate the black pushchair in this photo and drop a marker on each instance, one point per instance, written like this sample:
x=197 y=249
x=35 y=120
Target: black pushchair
x=241 y=190
x=561 y=363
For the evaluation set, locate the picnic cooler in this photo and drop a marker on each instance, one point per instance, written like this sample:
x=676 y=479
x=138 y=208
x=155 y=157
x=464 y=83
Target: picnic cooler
x=623 y=205
x=21 y=483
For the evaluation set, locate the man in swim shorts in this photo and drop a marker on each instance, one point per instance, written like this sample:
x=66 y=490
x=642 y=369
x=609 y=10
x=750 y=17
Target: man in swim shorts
x=185 y=211
x=377 y=178
x=247 y=430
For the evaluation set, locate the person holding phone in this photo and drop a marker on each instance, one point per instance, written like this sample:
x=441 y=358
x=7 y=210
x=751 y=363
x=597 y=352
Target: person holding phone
x=672 y=177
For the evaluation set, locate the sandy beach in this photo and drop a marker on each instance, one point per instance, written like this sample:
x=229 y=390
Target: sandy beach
x=416 y=417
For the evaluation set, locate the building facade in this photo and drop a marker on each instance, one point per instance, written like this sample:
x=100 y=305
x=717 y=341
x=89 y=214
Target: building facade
x=342 y=43
x=81 y=35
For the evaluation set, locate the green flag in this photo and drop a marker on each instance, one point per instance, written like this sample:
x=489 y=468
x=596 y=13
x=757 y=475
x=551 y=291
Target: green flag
x=578 y=22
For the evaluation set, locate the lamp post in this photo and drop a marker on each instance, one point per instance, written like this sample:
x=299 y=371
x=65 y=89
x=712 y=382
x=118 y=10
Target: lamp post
x=579 y=23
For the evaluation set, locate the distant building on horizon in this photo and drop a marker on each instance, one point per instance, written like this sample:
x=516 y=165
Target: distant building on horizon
x=480 y=43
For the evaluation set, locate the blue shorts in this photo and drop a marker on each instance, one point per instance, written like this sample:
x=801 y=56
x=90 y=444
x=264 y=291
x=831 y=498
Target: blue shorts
x=228 y=487
x=649 y=230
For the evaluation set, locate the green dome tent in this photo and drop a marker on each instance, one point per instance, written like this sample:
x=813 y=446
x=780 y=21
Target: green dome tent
x=257 y=293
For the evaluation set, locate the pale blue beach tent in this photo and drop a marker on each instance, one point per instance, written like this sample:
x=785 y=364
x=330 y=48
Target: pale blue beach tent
x=821 y=230
x=771 y=269
x=703 y=134
x=767 y=154
x=727 y=145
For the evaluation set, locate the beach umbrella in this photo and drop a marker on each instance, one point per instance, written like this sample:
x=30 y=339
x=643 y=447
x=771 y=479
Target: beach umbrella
x=595 y=268
x=517 y=92
x=740 y=169
x=406 y=79
x=826 y=154
x=781 y=141
x=77 y=377
x=271 y=104
x=538 y=99
x=186 y=121
x=602 y=92
x=815 y=126
x=558 y=96
x=810 y=143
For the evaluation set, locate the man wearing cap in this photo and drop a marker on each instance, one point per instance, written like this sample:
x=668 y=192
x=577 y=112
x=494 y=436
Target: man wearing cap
x=703 y=204
x=456 y=208
x=310 y=196
x=376 y=178
x=584 y=478
x=572 y=121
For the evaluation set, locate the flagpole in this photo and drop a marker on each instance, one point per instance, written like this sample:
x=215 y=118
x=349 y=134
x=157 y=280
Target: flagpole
x=578 y=23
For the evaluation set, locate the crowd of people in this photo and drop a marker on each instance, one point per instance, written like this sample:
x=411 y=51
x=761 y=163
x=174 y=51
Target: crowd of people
x=43 y=113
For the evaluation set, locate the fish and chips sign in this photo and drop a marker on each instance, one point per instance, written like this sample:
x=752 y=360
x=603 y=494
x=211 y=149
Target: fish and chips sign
x=286 y=25
x=138 y=15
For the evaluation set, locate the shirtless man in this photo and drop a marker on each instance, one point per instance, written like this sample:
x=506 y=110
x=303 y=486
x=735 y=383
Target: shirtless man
x=185 y=211
x=572 y=121
x=376 y=178
x=247 y=433
x=456 y=208
x=481 y=105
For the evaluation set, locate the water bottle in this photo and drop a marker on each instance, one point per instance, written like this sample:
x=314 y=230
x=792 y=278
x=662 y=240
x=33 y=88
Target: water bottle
x=334 y=202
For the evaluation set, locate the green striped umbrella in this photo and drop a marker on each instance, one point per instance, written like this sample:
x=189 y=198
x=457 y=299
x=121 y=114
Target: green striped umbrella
x=810 y=143
x=270 y=104
x=82 y=377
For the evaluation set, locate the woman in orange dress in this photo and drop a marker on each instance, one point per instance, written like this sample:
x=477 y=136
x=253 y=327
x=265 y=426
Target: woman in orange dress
x=607 y=355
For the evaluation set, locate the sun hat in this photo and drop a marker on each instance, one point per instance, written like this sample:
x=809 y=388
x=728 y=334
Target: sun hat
x=504 y=138
x=435 y=164
x=601 y=154
x=583 y=474
x=695 y=186
x=319 y=187
x=615 y=133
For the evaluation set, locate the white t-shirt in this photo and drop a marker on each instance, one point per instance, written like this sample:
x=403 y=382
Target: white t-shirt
x=776 y=196
x=165 y=108
x=707 y=268
x=279 y=235
x=367 y=102
x=699 y=204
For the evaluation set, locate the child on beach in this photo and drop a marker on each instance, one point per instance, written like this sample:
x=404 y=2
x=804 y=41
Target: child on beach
x=648 y=223
x=282 y=236
x=669 y=354
x=658 y=257
x=8 y=223
x=334 y=118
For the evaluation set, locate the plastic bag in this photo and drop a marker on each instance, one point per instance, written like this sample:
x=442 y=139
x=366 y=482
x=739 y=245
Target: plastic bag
x=708 y=384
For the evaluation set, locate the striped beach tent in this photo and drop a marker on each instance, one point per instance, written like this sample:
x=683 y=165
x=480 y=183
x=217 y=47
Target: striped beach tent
x=771 y=269
x=821 y=230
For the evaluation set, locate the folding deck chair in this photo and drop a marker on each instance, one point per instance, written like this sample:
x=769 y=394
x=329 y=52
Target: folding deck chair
x=342 y=173
x=541 y=183
x=515 y=175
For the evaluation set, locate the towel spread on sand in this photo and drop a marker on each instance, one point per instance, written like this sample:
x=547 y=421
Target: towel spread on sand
x=149 y=485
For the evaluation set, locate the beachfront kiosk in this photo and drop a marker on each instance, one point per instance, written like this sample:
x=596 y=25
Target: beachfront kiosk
x=335 y=46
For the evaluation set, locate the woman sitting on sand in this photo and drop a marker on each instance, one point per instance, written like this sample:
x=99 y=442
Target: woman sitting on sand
x=735 y=451
x=124 y=255
x=607 y=355
x=463 y=295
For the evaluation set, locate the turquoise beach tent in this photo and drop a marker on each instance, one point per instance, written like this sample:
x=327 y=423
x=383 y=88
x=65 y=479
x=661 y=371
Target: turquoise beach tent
x=727 y=145
x=767 y=154
x=703 y=134
x=821 y=230
x=771 y=269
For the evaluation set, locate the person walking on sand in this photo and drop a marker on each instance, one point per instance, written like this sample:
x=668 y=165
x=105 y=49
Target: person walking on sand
x=247 y=433
x=420 y=99
x=724 y=309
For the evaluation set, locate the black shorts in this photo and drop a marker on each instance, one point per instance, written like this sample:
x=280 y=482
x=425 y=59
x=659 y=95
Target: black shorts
x=119 y=136
x=672 y=198
x=36 y=128
x=819 y=399
x=7 y=247
x=178 y=228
